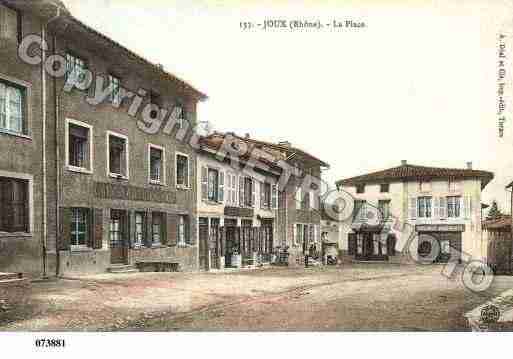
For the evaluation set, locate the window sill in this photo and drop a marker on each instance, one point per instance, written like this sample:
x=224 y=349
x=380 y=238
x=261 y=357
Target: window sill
x=182 y=188
x=79 y=170
x=15 y=235
x=157 y=183
x=15 y=134
x=184 y=245
x=81 y=250
x=118 y=177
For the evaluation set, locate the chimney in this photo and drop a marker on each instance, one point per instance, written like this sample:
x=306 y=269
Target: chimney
x=404 y=163
x=469 y=165
x=160 y=67
x=285 y=144
x=247 y=136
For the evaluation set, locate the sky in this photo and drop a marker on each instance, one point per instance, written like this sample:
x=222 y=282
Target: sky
x=417 y=83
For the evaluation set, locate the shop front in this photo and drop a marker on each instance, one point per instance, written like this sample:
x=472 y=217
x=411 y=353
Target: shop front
x=440 y=243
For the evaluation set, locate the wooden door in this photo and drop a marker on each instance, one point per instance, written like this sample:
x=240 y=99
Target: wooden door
x=203 y=243
x=118 y=232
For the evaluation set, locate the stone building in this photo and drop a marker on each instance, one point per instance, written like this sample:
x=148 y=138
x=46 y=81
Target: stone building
x=87 y=186
x=237 y=209
x=439 y=208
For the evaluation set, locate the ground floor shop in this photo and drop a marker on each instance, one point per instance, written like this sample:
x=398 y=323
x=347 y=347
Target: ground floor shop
x=235 y=242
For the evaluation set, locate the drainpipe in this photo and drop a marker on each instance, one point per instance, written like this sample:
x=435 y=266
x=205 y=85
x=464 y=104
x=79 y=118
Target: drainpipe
x=43 y=144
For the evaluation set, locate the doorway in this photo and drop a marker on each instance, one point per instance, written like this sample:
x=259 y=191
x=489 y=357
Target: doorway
x=118 y=237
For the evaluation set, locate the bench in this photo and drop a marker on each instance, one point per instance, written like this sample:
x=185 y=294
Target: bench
x=158 y=266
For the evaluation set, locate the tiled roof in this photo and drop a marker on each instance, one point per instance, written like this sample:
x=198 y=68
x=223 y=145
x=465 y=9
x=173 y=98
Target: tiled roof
x=276 y=151
x=500 y=223
x=412 y=172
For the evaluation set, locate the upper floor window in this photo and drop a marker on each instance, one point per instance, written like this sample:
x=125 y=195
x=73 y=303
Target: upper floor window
x=79 y=146
x=10 y=24
x=360 y=210
x=12 y=108
x=299 y=198
x=454 y=186
x=117 y=155
x=231 y=182
x=248 y=192
x=360 y=188
x=384 y=188
x=182 y=170
x=213 y=185
x=424 y=207
x=14 y=205
x=115 y=85
x=425 y=186
x=181 y=115
x=265 y=195
x=75 y=68
x=156 y=163
x=453 y=207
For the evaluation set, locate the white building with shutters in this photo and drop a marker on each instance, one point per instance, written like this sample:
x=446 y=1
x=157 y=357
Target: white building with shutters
x=237 y=211
x=439 y=208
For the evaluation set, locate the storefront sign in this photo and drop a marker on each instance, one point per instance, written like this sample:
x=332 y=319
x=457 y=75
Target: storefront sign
x=238 y=212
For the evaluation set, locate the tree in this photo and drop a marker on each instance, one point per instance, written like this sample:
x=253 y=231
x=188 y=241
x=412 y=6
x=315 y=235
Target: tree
x=494 y=212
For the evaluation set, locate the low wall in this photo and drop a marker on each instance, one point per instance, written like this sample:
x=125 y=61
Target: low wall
x=187 y=257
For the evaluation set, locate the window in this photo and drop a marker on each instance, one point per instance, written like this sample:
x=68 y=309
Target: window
x=156 y=161
x=117 y=155
x=75 y=68
x=453 y=207
x=9 y=24
x=424 y=207
x=12 y=108
x=14 y=205
x=299 y=198
x=115 y=85
x=117 y=235
x=181 y=118
x=360 y=211
x=299 y=234
x=140 y=224
x=360 y=188
x=249 y=188
x=183 y=230
x=265 y=195
x=384 y=188
x=79 y=146
x=232 y=188
x=182 y=170
x=384 y=209
x=425 y=186
x=79 y=227
x=156 y=228
x=213 y=185
x=454 y=186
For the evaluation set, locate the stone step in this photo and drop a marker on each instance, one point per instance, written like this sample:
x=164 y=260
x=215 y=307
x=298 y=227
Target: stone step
x=7 y=276
x=122 y=268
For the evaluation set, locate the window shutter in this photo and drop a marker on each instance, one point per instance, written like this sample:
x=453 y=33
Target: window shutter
x=131 y=228
x=295 y=241
x=65 y=240
x=172 y=229
x=204 y=183
x=164 y=232
x=253 y=194
x=469 y=208
x=443 y=207
x=221 y=187
x=96 y=235
x=241 y=191
x=351 y=242
x=436 y=204
x=149 y=229
x=262 y=194
x=274 y=196
x=391 y=245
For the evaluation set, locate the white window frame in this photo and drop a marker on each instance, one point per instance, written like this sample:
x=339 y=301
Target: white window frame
x=423 y=184
x=91 y=147
x=180 y=186
x=163 y=179
x=115 y=97
x=30 y=180
x=299 y=198
x=127 y=157
x=27 y=109
x=78 y=247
